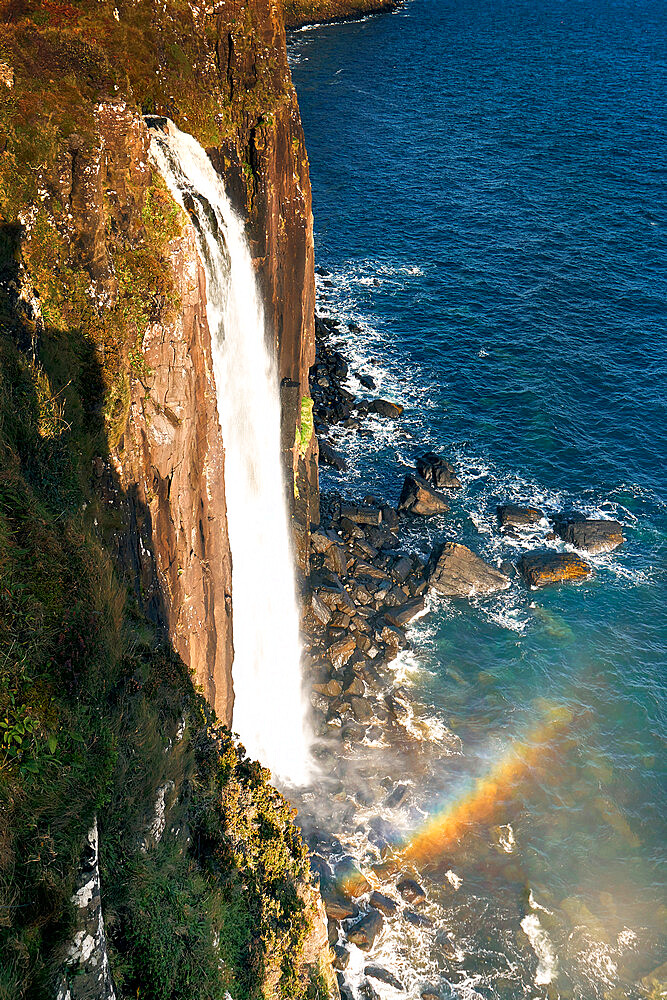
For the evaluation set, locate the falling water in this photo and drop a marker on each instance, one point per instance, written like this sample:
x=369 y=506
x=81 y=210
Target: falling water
x=269 y=709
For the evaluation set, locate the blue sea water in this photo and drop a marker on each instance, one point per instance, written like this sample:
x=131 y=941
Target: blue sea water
x=489 y=201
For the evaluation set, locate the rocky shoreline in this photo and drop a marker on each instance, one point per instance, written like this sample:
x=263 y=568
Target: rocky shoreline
x=363 y=591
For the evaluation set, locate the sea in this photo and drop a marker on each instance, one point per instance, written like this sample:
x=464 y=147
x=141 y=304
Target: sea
x=490 y=219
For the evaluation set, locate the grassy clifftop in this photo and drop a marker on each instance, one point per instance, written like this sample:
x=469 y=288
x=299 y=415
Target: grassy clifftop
x=299 y=12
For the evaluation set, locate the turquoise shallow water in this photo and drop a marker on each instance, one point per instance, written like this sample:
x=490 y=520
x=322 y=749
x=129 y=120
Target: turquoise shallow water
x=489 y=199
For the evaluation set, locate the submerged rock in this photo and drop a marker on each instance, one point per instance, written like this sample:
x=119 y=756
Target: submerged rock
x=455 y=571
x=590 y=534
x=365 y=932
x=417 y=919
x=514 y=516
x=384 y=976
x=540 y=569
x=417 y=497
x=437 y=472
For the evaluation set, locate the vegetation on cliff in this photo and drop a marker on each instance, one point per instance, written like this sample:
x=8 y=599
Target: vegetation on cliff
x=98 y=716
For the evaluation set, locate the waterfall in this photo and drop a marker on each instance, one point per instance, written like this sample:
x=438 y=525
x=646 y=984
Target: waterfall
x=269 y=708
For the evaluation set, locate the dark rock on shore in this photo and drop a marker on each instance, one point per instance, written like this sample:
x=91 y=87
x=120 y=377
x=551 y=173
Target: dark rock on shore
x=417 y=497
x=454 y=571
x=540 y=569
x=513 y=516
x=329 y=456
x=385 y=408
x=338 y=907
x=411 y=891
x=384 y=976
x=341 y=957
x=437 y=472
x=361 y=513
x=589 y=534
x=365 y=932
x=407 y=612
x=383 y=903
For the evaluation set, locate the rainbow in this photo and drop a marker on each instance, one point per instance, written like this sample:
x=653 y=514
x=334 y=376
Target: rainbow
x=479 y=804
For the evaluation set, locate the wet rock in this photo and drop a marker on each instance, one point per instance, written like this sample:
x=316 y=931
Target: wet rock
x=340 y=651
x=368 y=992
x=437 y=472
x=321 y=541
x=589 y=534
x=320 y=610
x=361 y=709
x=540 y=569
x=384 y=976
x=655 y=983
x=407 y=612
x=350 y=528
x=355 y=688
x=385 y=408
x=331 y=689
x=454 y=571
x=370 y=570
x=430 y=994
x=360 y=514
x=411 y=891
x=329 y=456
x=390 y=518
x=336 y=560
x=417 y=497
x=341 y=957
x=391 y=635
x=402 y=569
x=383 y=903
x=417 y=919
x=514 y=516
x=396 y=797
x=365 y=932
x=367 y=381
x=338 y=907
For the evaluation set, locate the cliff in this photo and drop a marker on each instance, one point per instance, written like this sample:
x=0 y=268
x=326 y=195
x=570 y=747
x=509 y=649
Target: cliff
x=115 y=563
x=300 y=12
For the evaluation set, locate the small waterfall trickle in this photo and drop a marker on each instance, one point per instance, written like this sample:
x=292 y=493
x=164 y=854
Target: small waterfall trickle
x=269 y=708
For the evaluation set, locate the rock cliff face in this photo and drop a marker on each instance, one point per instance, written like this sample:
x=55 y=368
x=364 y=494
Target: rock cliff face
x=111 y=446
x=298 y=12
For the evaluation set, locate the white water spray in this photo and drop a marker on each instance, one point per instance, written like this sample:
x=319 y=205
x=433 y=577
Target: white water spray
x=269 y=709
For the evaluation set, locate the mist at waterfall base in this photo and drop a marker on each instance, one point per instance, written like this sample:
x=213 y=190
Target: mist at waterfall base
x=488 y=186
x=269 y=713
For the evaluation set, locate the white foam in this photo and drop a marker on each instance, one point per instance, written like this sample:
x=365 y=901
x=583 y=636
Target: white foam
x=547 y=963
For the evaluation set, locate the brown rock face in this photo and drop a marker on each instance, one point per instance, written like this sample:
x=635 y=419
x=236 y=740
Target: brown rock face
x=542 y=568
x=589 y=534
x=171 y=462
x=455 y=571
x=417 y=497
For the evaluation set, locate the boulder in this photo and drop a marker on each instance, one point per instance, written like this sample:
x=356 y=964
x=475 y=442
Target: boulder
x=454 y=571
x=338 y=907
x=365 y=932
x=396 y=797
x=321 y=541
x=411 y=891
x=320 y=610
x=540 y=569
x=383 y=903
x=437 y=472
x=360 y=514
x=384 y=976
x=404 y=615
x=402 y=569
x=513 y=516
x=340 y=651
x=385 y=408
x=341 y=957
x=589 y=534
x=417 y=497
x=329 y=456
